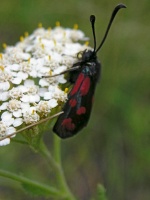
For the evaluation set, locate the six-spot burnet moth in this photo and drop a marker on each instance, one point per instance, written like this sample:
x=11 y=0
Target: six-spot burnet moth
x=84 y=76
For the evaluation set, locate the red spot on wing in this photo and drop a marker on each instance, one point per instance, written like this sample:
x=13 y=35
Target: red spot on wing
x=81 y=110
x=77 y=84
x=67 y=123
x=72 y=102
x=85 y=86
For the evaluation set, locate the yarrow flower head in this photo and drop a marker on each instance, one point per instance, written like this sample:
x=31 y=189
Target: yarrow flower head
x=28 y=93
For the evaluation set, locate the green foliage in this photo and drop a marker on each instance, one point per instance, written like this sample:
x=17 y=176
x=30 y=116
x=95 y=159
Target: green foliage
x=114 y=148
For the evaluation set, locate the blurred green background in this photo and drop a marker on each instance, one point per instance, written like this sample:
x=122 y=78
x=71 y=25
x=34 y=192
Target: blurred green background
x=114 y=148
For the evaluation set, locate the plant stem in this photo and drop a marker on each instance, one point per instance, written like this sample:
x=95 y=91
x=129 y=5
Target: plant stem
x=48 y=191
x=57 y=166
x=57 y=149
x=60 y=175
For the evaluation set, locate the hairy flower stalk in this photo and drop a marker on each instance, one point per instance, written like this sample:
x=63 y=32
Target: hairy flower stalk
x=27 y=92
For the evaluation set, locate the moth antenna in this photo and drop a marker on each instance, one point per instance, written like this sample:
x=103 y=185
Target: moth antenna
x=92 y=20
x=115 y=11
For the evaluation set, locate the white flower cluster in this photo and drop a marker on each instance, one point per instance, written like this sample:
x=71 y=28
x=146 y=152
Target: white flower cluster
x=25 y=96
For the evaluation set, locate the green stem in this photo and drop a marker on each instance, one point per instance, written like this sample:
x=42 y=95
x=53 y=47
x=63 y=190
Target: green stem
x=60 y=175
x=56 y=164
x=48 y=191
x=43 y=150
x=57 y=149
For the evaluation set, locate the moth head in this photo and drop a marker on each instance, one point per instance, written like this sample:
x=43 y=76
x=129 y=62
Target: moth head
x=85 y=55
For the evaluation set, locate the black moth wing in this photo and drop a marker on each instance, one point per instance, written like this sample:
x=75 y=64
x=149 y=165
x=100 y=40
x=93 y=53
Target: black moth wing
x=78 y=107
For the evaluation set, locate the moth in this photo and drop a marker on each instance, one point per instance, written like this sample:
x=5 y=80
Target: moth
x=84 y=76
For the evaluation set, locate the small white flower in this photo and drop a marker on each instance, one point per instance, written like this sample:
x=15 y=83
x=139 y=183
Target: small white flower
x=2 y=129
x=32 y=89
x=16 y=80
x=5 y=77
x=17 y=113
x=30 y=98
x=25 y=107
x=77 y=35
x=23 y=75
x=13 y=105
x=7 y=118
x=48 y=95
x=61 y=79
x=60 y=69
x=4 y=106
x=13 y=67
x=15 y=93
x=5 y=131
x=4 y=86
x=25 y=67
x=17 y=122
x=31 y=116
x=42 y=91
x=30 y=92
x=16 y=55
x=5 y=142
x=18 y=77
x=43 y=82
x=52 y=103
x=58 y=93
x=4 y=96
x=43 y=107
x=29 y=82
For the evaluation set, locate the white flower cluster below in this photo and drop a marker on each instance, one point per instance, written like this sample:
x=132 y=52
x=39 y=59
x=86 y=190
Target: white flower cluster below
x=25 y=96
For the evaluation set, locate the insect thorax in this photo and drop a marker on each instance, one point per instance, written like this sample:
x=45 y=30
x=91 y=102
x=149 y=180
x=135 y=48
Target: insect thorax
x=91 y=68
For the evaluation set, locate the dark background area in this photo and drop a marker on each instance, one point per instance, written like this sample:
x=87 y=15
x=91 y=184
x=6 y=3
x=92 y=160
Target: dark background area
x=114 y=148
